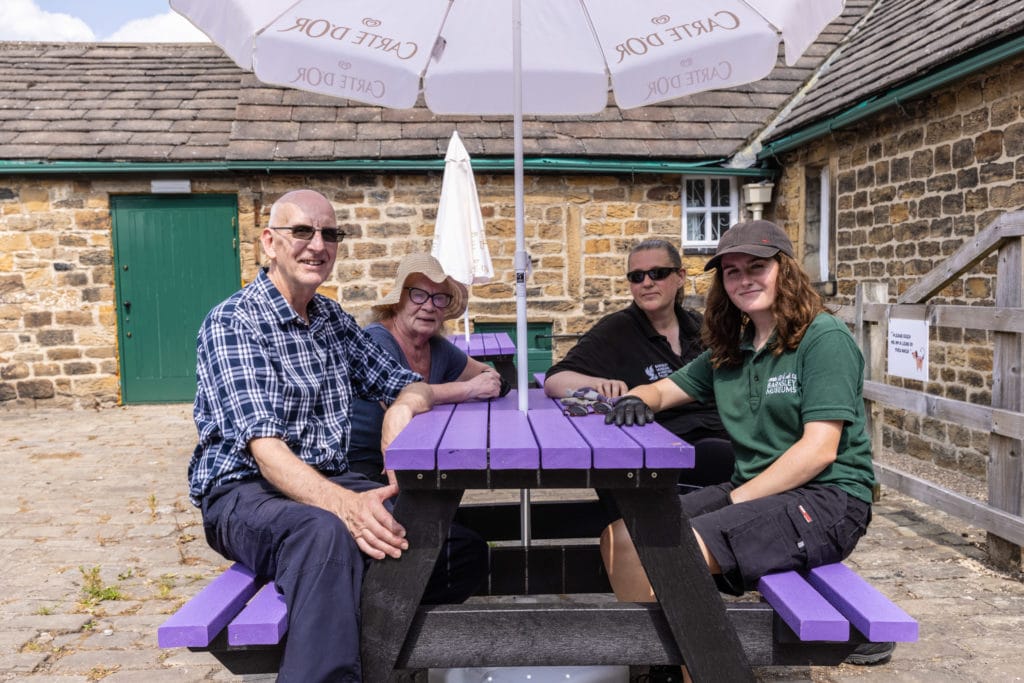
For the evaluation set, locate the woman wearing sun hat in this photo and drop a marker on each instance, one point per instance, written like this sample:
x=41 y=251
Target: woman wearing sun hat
x=408 y=324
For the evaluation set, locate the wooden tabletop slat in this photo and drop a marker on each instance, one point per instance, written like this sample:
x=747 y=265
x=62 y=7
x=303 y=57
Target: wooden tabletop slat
x=612 y=449
x=513 y=445
x=464 y=444
x=662 y=448
x=415 y=447
x=561 y=446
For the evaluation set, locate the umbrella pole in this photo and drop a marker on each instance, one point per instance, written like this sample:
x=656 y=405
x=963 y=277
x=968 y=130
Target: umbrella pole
x=465 y=324
x=521 y=258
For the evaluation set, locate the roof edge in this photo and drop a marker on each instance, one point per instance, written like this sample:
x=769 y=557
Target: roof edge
x=858 y=112
x=500 y=164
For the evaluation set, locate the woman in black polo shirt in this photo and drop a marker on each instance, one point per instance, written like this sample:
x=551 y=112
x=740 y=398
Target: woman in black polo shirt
x=644 y=342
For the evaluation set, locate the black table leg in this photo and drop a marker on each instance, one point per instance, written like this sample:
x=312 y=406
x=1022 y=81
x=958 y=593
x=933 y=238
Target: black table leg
x=392 y=589
x=688 y=596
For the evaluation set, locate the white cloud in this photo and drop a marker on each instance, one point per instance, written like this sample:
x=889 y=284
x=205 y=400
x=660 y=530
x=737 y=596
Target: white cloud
x=162 y=28
x=22 y=20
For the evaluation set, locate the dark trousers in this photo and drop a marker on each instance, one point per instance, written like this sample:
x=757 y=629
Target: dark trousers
x=318 y=568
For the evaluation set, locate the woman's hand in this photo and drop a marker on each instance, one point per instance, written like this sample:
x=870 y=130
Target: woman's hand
x=612 y=388
x=483 y=386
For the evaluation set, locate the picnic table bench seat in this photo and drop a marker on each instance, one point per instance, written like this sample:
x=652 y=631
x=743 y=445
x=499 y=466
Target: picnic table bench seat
x=801 y=619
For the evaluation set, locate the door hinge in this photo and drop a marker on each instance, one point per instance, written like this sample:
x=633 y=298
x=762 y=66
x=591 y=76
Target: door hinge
x=234 y=243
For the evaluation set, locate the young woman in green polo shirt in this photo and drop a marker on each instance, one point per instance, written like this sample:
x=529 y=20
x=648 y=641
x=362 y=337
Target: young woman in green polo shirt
x=788 y=378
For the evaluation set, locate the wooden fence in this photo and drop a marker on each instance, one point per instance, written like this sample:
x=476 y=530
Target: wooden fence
x=1001 y=515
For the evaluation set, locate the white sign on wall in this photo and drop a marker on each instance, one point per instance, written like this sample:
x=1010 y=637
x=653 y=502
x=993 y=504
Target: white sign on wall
x=908 y=348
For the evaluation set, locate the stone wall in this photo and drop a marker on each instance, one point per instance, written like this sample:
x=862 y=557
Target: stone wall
x=58 y=341
x=911 y=185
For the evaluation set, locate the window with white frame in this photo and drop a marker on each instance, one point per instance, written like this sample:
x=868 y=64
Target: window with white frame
x=710 y=206
x=819 y=236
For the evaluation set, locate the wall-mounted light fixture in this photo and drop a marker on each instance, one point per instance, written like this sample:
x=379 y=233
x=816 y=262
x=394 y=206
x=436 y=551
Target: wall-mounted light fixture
x=170 y=186
x=755 y=196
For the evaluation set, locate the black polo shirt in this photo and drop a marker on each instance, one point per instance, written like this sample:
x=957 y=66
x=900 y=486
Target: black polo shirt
x=624 y=346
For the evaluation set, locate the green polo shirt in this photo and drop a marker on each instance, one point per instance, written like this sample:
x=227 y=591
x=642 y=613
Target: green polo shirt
x=765 y=402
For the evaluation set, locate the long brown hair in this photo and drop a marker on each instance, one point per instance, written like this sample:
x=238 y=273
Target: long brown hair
x=796 y=305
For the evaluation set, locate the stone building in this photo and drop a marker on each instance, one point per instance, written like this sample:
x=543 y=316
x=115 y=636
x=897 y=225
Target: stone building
x=135 y=180
x=894 y=140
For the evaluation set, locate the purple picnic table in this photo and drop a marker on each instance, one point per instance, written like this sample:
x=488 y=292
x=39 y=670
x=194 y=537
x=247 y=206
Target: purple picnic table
x=489 y=445
x=490 y=347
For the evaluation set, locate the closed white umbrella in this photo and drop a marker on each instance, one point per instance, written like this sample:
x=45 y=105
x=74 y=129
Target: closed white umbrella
x=459 y=241
x=510 y=57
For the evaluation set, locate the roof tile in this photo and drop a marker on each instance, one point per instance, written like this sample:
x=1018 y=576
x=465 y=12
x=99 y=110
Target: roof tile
x=895 y=43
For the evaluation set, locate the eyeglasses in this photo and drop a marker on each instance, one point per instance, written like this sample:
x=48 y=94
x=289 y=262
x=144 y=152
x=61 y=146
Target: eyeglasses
x=656 y=274
x=420 y=296
x=306 y=232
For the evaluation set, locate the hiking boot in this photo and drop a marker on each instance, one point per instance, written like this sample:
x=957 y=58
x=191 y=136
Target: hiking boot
x=869 y=654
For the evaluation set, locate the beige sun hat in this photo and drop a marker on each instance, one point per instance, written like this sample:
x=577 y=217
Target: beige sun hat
x=429 y=266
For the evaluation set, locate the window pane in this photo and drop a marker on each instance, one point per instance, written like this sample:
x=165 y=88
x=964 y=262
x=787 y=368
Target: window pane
x=695 y=193
x=720 y=192
x=720 y=223
x=695 y=227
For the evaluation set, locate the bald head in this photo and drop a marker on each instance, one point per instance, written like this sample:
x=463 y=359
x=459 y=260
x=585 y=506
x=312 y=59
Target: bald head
x=306 y=206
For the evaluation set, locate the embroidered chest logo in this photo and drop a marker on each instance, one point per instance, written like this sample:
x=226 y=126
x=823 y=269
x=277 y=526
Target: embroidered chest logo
x=782 y=384
x=657 y=371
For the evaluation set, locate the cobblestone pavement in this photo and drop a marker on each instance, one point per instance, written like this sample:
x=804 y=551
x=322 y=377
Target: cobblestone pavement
x=102 y=544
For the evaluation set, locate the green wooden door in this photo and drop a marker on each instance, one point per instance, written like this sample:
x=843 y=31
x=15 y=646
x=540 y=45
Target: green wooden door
x=175 y=257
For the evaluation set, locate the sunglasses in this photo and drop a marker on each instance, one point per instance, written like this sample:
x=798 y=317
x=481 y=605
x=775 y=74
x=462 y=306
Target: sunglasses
x=306 y=232
x=420 y=296
x=656 y=274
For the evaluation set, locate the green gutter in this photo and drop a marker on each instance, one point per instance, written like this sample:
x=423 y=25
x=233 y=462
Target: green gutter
x=550 y=165
x=982 y=60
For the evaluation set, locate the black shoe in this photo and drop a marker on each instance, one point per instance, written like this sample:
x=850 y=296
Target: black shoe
x=869 y=654
x=662 y=674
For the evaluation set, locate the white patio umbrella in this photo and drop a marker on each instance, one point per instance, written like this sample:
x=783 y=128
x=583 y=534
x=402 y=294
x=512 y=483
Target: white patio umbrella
x=510 y=57
x=459 y=242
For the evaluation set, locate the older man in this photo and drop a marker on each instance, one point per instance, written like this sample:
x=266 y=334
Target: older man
x=278 y=367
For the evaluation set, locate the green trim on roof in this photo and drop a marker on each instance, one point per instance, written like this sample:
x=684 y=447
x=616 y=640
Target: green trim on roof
x=890 y=98
x=546 y=164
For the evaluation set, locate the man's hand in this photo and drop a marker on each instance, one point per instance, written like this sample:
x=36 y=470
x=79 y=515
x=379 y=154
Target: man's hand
x=630 y=410
x=372 y=526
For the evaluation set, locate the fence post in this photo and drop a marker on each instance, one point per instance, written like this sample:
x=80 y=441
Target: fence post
x=1005 y=471
x=872 y=340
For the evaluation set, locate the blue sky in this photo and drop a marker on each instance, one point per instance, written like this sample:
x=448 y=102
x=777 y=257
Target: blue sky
x=93 y=20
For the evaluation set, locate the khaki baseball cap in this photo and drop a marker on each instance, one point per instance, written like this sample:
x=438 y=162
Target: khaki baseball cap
x=757 y=238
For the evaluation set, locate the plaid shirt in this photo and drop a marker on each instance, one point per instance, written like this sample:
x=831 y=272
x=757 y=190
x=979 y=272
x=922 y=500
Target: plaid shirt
x=263 y=372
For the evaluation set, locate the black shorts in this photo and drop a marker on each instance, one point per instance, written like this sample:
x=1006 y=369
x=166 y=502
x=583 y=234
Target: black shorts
x=799 y=529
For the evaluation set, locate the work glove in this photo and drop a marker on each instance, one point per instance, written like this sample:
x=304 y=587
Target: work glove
x=630 y=410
